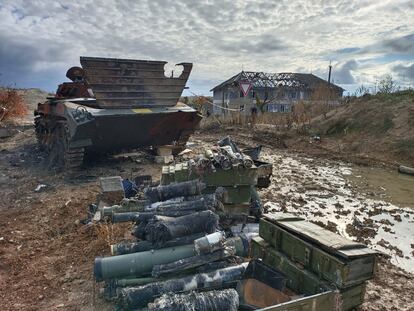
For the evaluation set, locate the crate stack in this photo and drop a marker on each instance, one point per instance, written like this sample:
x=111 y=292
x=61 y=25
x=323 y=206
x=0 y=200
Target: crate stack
x=315 y=260
x=238 y=182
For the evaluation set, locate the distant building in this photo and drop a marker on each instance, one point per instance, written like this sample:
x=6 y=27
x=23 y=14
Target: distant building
x=277 y=92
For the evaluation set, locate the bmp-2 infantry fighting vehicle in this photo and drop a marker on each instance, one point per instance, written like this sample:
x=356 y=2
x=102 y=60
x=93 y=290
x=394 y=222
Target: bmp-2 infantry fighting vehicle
x=113 y=105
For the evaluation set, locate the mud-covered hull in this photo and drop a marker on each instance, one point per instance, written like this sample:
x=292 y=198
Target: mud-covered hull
x=75 y=129
x=126 y=130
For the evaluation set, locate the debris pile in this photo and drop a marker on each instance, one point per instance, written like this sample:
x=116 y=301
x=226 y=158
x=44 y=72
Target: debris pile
x=196 y=231
x=178 y=232
x=238 y=174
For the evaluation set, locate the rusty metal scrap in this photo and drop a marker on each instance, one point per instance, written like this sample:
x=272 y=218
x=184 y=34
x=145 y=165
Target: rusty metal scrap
x=126 y=83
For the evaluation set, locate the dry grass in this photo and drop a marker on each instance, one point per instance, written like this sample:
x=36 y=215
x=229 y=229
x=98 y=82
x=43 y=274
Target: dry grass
x=12 y=105
x=108 y=233
x=298 y=119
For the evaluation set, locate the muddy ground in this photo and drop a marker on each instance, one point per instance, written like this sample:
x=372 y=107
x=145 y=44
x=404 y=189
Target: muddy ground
x=46 y=253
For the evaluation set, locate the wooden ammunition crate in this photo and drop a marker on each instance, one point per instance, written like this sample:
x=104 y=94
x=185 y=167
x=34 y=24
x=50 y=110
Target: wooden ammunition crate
x=305 y=282
x=232 y=177
x=328 y=255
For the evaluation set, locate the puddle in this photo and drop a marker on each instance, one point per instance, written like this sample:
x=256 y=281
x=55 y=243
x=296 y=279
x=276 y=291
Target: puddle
x=359 y=208
x=385 y=185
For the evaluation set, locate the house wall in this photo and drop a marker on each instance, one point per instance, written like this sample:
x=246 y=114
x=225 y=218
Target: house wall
x=230 y=97
x=282 y=99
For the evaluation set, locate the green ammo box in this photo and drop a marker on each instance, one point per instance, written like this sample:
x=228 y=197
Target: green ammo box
x=181 y=172
x=239 y=182
x=233 y=177
x=237 y=195
x=299 y=280
x=168 y=175
x=225 y=178
x=305 y=282
x=326 y=254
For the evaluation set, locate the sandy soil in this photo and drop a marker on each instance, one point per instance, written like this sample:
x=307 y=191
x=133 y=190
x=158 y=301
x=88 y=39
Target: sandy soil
x=46 y=253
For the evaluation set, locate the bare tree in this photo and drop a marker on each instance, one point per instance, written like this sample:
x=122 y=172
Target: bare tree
x=387 y=85
x=361 y=90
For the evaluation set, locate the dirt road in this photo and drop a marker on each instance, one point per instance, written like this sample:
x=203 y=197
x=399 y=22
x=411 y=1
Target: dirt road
x=46 y=253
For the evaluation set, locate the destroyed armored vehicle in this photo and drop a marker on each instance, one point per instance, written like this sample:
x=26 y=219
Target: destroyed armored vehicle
x=113 y=105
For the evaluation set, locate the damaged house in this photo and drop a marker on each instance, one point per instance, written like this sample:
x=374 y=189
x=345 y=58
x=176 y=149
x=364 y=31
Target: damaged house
x=248 y=91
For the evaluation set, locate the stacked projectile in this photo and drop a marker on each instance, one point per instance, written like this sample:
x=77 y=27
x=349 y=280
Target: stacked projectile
x=179 y=240
x=314 y=259
x=226 y=166
x=133 y=280
x=174 y=200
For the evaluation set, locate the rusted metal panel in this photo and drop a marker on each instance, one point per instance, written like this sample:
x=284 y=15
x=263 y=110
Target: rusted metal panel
x=125 y=83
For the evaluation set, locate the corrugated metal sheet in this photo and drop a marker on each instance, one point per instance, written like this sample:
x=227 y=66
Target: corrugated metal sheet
x=125 y=83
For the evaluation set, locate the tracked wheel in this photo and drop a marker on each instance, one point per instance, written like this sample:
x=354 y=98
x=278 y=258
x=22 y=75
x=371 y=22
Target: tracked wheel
x=41 y=133
x=61 y=155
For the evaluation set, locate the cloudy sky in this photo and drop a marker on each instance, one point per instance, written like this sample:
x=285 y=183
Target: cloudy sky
x=364 y=39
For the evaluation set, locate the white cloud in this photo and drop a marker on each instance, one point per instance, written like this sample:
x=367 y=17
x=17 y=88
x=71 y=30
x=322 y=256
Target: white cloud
x=43 y=38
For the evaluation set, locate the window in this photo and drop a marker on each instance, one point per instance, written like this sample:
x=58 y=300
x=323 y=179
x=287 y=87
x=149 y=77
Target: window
x=282 y=108
x=272 y=108
x=252 y=94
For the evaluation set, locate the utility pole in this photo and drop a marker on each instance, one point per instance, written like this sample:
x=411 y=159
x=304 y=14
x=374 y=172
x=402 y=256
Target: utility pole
x=329 y=75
